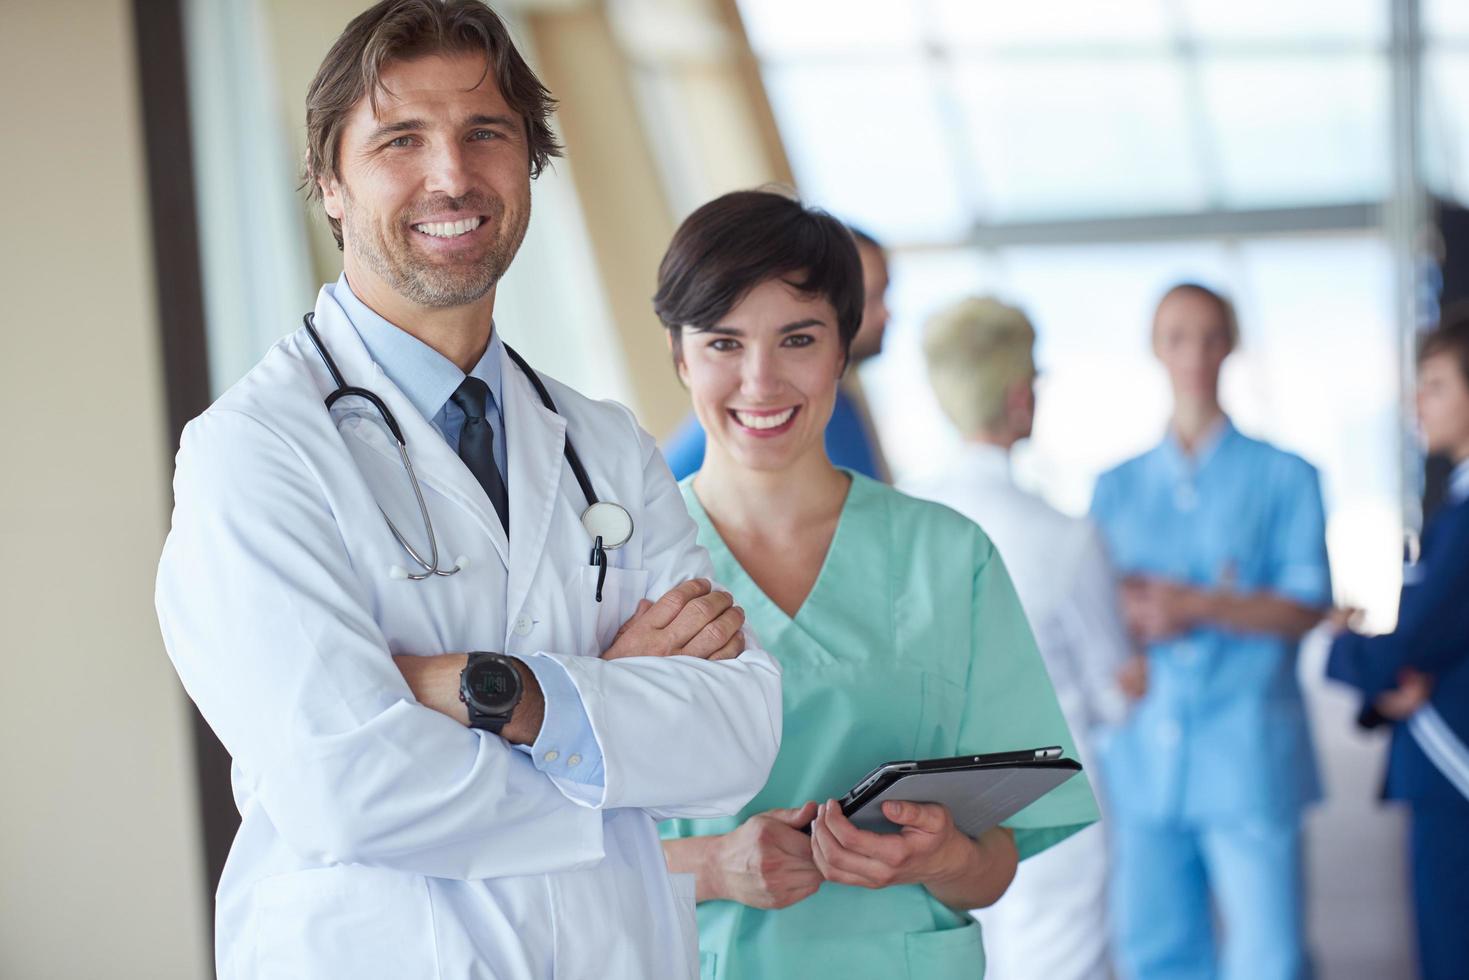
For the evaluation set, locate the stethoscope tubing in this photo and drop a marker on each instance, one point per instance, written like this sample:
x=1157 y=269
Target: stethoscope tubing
x=431 y=566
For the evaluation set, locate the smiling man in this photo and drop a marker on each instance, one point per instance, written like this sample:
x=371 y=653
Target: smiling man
x=452 y=733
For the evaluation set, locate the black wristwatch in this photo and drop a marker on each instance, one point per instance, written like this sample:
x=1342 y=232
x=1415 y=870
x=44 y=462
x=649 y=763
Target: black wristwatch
x=489 y=686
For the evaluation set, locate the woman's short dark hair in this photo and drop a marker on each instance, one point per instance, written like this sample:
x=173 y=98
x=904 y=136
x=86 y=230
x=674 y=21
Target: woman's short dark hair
x=736 y=242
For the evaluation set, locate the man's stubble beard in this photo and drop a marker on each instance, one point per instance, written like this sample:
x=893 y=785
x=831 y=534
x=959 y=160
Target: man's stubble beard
x=422 y=281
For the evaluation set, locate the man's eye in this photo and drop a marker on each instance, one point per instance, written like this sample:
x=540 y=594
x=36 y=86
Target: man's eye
x=723 y=344
x=402 y=141
x=484 y=134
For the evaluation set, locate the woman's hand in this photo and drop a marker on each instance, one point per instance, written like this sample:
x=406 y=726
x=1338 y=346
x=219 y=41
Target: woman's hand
x=925 y=849
x=766 y=861
x=929 y=851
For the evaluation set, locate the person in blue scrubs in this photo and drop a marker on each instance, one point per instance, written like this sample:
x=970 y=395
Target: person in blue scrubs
x=1417 y=676
x=1220 y=539
x=851 y=441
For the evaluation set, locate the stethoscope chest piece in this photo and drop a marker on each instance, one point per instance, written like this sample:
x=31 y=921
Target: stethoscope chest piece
x=608 y=521
x=610 y=526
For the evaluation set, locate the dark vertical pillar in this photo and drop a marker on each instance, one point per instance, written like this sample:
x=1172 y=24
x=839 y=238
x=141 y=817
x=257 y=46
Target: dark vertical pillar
x=164 y=95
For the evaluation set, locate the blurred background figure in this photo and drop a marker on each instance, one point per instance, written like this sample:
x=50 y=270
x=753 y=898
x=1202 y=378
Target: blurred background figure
x=1052 y=923
x=851 y=440
x=1222 y=541
x=1417 y=677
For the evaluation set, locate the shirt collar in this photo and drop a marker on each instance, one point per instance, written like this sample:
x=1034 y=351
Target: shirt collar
x=983 y=461
x=426 y=377
x=1205 y=450
x=1459 y=483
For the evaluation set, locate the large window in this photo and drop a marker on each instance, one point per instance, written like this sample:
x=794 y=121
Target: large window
x=1077 y=158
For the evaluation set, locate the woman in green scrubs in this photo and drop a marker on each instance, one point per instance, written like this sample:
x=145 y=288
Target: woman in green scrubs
x=894 y=621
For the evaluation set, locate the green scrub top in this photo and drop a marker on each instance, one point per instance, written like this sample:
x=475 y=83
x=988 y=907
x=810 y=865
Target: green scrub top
x=911 y=645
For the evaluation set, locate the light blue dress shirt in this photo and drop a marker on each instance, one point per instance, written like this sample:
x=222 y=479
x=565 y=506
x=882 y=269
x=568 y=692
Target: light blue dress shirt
x=1222 y=731
x=427 y=379
x=1459 y=483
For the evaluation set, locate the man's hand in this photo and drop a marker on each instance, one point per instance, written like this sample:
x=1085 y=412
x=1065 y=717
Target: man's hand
x=691 y=620
x=1132 y=676
x=1344 y=619
x=766 y=861
x=1413 y=691
x=1157 y=609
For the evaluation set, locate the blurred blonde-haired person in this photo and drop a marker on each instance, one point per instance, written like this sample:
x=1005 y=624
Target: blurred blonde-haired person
x=1052 y=922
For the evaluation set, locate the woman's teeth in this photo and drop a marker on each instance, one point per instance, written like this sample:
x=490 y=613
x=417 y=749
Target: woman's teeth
x=774 y=421
x=449 y=229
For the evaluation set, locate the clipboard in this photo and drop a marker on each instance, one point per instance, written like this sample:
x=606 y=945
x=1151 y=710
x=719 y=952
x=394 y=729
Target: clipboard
x=981 y=791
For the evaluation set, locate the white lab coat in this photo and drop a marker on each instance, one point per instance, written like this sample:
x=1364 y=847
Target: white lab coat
x=380 y=838
x=1052 y=921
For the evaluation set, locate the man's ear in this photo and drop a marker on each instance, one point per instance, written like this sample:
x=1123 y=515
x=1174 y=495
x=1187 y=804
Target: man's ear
x=331 y=196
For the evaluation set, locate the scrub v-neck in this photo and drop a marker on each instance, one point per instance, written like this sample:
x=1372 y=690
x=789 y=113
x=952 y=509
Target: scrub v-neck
x=745 y=585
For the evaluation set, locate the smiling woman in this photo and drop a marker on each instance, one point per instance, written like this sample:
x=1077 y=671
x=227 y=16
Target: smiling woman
x=894 y=620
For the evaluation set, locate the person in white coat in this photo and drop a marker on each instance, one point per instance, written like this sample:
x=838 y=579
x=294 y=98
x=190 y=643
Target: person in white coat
x=1052 y=922
x=449 y=761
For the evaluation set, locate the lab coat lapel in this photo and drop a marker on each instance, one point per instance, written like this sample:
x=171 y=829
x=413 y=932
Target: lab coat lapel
x=537 y=437
x=435 y=463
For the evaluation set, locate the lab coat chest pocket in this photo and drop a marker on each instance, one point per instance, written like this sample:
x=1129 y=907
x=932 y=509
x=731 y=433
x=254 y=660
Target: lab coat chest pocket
x=600 y=621
x=343 y=921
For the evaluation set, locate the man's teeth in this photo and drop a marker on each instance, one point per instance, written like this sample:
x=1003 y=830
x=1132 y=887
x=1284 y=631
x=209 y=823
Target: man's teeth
x=449 y=229
x=764 y=421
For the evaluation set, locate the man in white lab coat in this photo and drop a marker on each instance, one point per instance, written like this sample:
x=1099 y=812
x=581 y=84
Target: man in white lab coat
x=1052 y=923
x=452 y=733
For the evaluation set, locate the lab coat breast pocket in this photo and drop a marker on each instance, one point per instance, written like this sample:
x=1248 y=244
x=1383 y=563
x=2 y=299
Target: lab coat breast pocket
x=343 y=921
x=600 y=621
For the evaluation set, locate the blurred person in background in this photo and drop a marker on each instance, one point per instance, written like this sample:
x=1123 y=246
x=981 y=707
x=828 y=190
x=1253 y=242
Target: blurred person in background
x=851 y=440
x=1417 y=677
x=1221 y=542
x=1052 y=922
x=895 y=623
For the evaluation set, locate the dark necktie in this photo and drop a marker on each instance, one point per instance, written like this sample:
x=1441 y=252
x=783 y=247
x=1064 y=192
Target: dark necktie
x=477 y=445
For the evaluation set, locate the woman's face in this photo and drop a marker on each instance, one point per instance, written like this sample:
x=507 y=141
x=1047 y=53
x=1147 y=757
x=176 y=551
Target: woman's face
x=764 y=378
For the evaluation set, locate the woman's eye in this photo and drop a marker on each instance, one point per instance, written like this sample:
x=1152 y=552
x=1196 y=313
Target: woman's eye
x=723 y=344
x=799 y=340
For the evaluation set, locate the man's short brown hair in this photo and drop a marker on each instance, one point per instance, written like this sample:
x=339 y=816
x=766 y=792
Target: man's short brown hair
x=1451 y=338
x=1223 y=303
x=401 y=30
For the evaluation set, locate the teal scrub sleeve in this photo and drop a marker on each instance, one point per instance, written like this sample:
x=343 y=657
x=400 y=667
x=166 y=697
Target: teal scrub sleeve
x=1011 y=705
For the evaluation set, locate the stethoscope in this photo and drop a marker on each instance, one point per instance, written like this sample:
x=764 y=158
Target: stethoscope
x=609 y=525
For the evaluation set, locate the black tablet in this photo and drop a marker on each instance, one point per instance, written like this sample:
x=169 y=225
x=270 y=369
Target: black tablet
x=980 y=791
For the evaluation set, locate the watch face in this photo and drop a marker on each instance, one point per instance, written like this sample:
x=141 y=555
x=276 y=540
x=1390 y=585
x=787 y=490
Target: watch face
x=493 y=686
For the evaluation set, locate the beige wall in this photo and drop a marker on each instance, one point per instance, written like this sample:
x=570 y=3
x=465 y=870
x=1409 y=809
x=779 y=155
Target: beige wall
x=99 y=854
